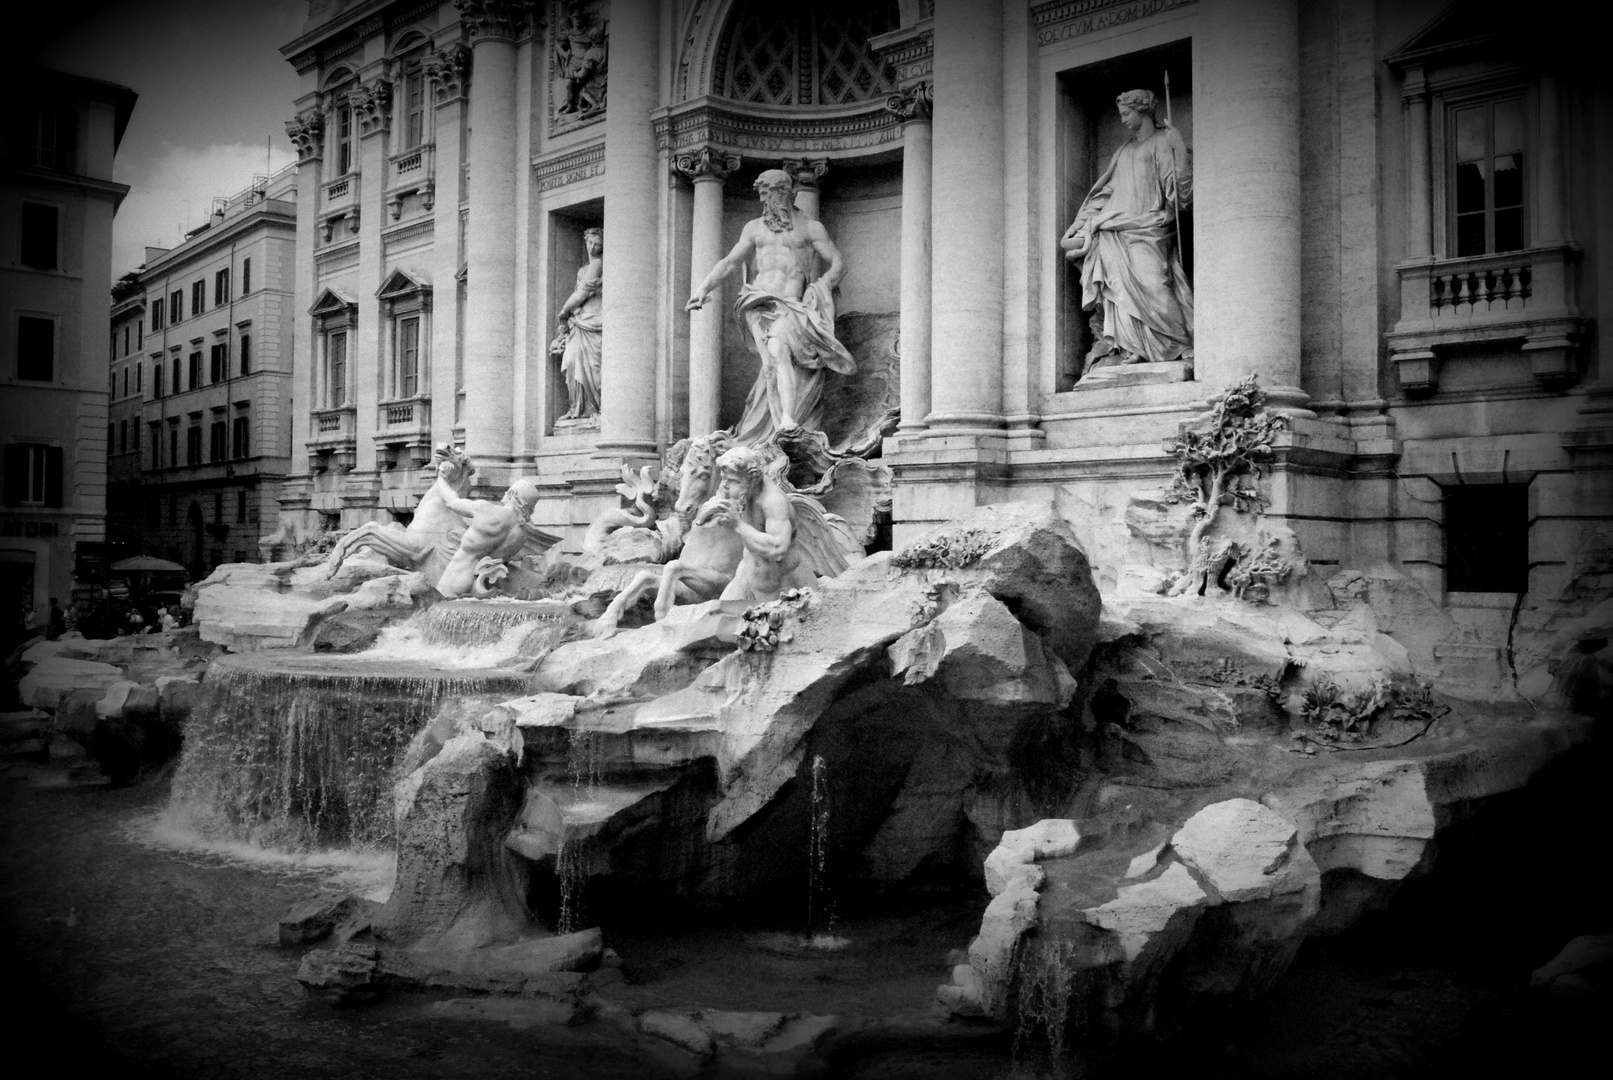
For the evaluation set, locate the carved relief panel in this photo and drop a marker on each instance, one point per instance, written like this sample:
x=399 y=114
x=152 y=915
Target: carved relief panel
x=578 y=62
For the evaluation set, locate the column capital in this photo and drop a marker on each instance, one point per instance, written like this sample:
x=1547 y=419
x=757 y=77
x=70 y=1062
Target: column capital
x=706 y=164
x=914 y=105
x=805 y=172
x=449 y=72
x=496 y=19
x=372 y=105
x=307 y=133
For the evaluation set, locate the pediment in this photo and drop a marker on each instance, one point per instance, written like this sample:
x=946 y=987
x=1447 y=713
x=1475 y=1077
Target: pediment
x=403 y=282
x=1463 y=28
x=332 y=302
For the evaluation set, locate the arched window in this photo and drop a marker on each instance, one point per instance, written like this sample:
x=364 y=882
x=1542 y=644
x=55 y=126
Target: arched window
x=818 y=55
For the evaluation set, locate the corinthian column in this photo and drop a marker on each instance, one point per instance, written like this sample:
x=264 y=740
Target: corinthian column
x=808 y=175
x=913 y=106
x=627 y=378
x=1247 y=305
x=490 y=240
x=967 y=235
x=706 y=169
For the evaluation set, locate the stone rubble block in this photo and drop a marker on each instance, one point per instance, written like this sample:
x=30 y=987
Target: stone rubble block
x=246 y=619
x=1009 y=916
x=55 y=677
x=543 y=709
x=679 y=1029
x=114 y=701
x=1241 y=849
x=978 y=652
x=1026 y=555
x=1141 y=912
x=1375 y=818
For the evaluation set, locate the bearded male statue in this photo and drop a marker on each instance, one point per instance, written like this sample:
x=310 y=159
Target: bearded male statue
x=790 y=316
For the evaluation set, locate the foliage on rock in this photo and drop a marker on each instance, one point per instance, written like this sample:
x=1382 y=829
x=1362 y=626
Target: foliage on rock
x=1343 y=717
x=764 y=623
x=948 y=551
x=1221 y=463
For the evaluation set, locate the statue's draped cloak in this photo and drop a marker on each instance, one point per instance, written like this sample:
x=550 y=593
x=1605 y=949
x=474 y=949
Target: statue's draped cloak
x=580 y=363
x=806 y=327
x=1133 y=267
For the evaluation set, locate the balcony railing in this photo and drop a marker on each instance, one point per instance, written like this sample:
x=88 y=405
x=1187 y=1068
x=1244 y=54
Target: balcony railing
x=341 y=191
x=1525 y=296
x=412 y=166
x=334 y=431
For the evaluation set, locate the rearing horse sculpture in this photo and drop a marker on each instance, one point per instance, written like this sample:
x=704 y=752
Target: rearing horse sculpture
x=411 y=547
x=706 y=556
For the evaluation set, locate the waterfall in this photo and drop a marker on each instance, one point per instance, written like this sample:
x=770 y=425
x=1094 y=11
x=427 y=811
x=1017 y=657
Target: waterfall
x=301 y=751
x=584 y=752
x=818 y=861
x=483 y=622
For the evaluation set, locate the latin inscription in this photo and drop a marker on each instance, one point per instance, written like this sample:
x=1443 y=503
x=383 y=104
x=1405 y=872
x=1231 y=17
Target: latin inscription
x=1077 y=19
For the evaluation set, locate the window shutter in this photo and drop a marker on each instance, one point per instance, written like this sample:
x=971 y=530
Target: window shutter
x=53 y=476
x=16 y=477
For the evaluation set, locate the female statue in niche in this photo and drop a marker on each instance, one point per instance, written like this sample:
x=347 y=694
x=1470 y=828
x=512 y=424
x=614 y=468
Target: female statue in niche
x=1126 y=239
x=577 y=343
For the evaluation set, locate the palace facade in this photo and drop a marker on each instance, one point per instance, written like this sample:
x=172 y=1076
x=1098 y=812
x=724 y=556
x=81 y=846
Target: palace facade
x=1399 y=222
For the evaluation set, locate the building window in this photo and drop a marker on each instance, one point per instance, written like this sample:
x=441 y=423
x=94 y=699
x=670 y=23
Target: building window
x=221 y=287
x=193 y=445
x=126 y=340
x=344 y=137
x=241 y=437
x=246 y=354
x=139 y=377
x=36 y=348
x=173 y=453
x=176 y=373
x=140 y=334
x=33 y=475
x=216 y=436
x=407 y=382
x=156 y=314
x=414 y=109
x=219 y=363
x=176 y=305
x=246 y=276
x=125 y=381
x=156 y=380
x=39 y=236
x=240 y=508
x=218 y=507
x=336 y=369
x=1487 y=176
x=123 y=436
x=156 y=449
x=135 y=443
x=198 y=297
x=111 y=430
x=195 y=370
x=1487 y=538
x=55 y=139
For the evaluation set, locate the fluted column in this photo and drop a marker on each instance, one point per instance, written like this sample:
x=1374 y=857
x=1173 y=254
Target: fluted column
x=627 y=390
x=913 y=106
x=967 y=247
x=1248 y=201
x=706 y=169
x=808 y=175
x=490 y=237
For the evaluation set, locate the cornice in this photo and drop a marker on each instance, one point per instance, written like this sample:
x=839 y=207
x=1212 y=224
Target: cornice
x=1062 y=19
x=570 y=166
x=773 y=132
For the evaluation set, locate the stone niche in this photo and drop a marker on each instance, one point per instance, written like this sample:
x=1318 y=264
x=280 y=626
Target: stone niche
x=1088 y=133
x=567 y=254
x=861 y=207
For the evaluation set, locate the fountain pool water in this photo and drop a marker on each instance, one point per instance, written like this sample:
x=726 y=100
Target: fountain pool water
x=295 y=750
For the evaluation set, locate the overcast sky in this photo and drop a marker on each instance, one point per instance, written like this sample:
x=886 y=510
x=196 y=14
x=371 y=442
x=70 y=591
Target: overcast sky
x=215 y=94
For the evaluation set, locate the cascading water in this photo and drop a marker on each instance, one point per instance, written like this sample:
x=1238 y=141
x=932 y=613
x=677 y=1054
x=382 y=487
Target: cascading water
x=483 y=622
x=297 y=750
x=583 y=755
x=820 y=896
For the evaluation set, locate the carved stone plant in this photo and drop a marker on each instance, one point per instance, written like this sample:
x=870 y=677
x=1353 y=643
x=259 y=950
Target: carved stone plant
x=1222 y=463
